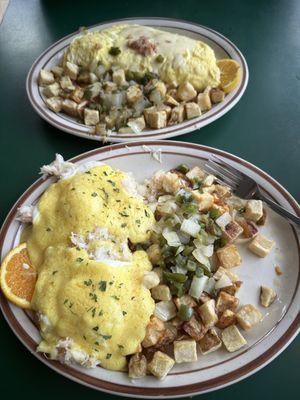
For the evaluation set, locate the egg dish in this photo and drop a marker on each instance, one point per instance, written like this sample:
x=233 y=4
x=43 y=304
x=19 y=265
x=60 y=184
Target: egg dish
x=127 y=78
x=136 y=277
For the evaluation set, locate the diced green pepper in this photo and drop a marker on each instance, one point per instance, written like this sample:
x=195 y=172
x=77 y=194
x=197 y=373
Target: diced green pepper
x=175 y=277
x=183 y=168
x=114 y=51
x=185 y=312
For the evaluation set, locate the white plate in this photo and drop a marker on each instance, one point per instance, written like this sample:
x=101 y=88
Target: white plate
x=220 y=44
x=218 y=369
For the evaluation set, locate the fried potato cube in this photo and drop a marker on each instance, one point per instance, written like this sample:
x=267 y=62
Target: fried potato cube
x=185 y=351
x=254 y=210
x=133 y=94
x=77 y=94
x=137 y=366
x=185 y=300
x=69 y=107
x=232 y=338
x=118 y=77
x=46 y=78
x=194 y=328
x=204 y=200
x=216 y=95
x=110 y=121
x=168 y=336
x=221 y=271
x=248 y=316
x=154 y=331
x=177 y=115
x=195 y=173
x=66 y=84
x=232 y=289
x=208 y=314
x=160 y=365
x=222 y=191
x=170 y=101
x=52 y=90
x=154 y=253
x=261 y=246
x=54 y=103
x=157 y=119
x=267 y=296
x=81 y=107
x=109 y=87
x=139 y=122
x=210 y=342
x=226 y=302
x=167 y=109
x=229 y=256
x=192 y=110
x=227 y=318
x=204 y=297
x=233 y=230
x=91 y=117
x=204 y=101
x=150 y=279
x=159 y=91
x=263 y=219
x=57 y=71
x=100 y=129
x=72 y=70
x=186 y=92
x=161 y=292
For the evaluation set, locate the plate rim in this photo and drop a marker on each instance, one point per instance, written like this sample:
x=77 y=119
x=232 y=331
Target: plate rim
x=184 y=390
x=122 y=138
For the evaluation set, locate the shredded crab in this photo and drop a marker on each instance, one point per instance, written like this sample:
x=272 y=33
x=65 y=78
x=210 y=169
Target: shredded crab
x=143 y=46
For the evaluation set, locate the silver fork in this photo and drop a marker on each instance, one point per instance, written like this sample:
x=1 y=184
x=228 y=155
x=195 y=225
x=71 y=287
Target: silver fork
x=243 y=186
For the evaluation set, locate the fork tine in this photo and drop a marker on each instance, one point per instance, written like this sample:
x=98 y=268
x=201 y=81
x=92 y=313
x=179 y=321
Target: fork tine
x=228 y=166
x=224 y=171
x=224 y=178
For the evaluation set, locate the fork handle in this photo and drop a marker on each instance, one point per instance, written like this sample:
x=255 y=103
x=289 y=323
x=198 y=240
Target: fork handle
x=277 y=208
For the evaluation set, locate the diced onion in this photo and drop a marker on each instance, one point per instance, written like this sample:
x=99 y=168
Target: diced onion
x=184 y=238
x=207 y=251
x=210 y=285
x=197 y=253
x=135 y=126
x=197 y=286
x=179 y=270
x=190 y=227
x=165 y=310
x=171 y=238
x=223 y=282
x=223 y=220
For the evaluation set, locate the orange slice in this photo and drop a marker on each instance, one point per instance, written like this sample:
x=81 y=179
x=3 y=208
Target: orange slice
x=18 y=277
x=231 y=74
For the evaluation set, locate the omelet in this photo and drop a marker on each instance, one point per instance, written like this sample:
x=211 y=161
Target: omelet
x=89 y=295
x=174 y=58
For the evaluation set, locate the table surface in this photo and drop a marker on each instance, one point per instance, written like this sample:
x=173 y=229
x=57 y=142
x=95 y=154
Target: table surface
x=263 y=128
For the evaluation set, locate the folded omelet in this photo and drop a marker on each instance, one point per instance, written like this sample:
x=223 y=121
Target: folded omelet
x=89 y=297
x=181 y=59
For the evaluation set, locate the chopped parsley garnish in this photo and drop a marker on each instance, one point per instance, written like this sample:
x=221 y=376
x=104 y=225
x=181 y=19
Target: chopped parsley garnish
x=84 y=337
x=123 y=225
x=79 y=259
x=48 y=229
x=96 y=343
x=138 y=221
x=105 y=173
x=147 y=214
x=108 y=356
x=54 y=272
x=111 y=282
x=93 y=312
x=115 y=297
x=111 y=182
x=120 y=346
x=106 y=337
x=114 y=51
x=66 y=300
x=100 y=313
x=95 y=328
x=94 y=297
x=94 y=194
x=124 y=214
x=102 y=286
x=124 y=313
x=159 y=58
x=88 y=283
x=116 y=190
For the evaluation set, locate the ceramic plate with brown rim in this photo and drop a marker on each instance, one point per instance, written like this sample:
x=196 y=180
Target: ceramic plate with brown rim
x=222 y=47
x=213 y=371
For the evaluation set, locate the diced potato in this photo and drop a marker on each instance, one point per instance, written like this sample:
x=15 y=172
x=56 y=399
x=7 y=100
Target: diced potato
x=210 y=342
x=137 y=366
x=133 y=94
x=204 y=297
x=263 y=219
x=80 y=108
x=232 y=289
x=71 y=70
x=110 y=121
x=170 y=101
x=69 y=107
x=54 y=103
x=100 y=129
x=160 y=365
x=154 y=253
x=232 y=338
x=254 y=210
x=159 y=91
x=177 y=115
x=204 y=200
x=249 y=228
x=109 y=87
x=66 y=84
x=208 y=180
x=118 y=77
x=248 y=316
x=208 y=314
x=216 y=95
x=84 y=77
x=185 y=351
x=159 y=272
x=57 y=71
x=194 y=328
x=93 y=77
x=195 y=173
x=139 y=122
x=267 y=296
x=165 y=310
x=125 y=129
x=150 y=279
x=192 y=110
x=154 y=331
x=161 y=292
x=52 y=90
x=170 y=182
x=229 y=256
x=186 y=92
x=91 y=117
x=204 y=101
x=221 y=271
x=232 y=231
x=168 y=336
x=261 y=246
x=226 y=302
x=222 y=191
x=46 y=78
x=157 y=119
x=164 y=107
x=227 y=318
x=186 y=300
x=77 y=94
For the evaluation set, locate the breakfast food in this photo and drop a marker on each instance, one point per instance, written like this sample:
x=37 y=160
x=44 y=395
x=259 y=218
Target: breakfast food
x=136 y=278
x=127 y=78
